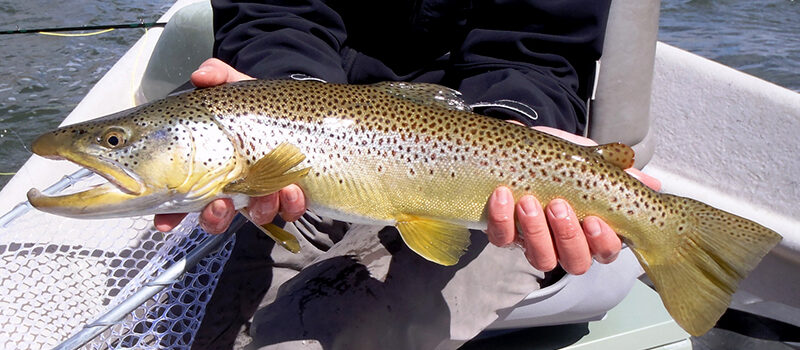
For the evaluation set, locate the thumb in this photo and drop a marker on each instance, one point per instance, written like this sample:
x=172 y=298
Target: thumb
x=214 y=72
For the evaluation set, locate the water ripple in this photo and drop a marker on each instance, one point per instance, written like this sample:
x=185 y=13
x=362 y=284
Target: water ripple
x=45 y=77
x=757 y=37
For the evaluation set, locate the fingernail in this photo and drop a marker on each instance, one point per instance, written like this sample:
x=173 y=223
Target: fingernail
x=606 y=259
x=260 y=211
x=291 y=196
x=218 y=209
x=558 y=208
x=593 y=228
x=529 y=206
x=502 y=196
x=256 y=215
x=203 y=70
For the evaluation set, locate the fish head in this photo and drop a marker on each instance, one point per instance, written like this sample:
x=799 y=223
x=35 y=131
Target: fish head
x=148 y=154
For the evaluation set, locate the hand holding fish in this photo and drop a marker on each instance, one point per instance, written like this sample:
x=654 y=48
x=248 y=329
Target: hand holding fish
x=555 y=235
x=571 y=243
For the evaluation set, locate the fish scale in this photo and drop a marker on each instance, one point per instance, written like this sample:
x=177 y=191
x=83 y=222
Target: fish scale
x=402 y=154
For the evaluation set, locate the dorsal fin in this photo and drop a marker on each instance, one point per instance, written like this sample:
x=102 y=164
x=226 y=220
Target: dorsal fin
x=617 y=153
x=425 y=94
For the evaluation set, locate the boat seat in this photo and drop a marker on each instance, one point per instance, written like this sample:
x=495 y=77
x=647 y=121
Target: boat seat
x=187 y=41
x=620 y=110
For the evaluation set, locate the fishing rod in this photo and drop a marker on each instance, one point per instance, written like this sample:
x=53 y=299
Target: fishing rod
x=106 y=27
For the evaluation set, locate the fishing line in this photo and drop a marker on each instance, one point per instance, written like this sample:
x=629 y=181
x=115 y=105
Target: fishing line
x=20 y=140
x=76 y=34
x=23 y=146
x=102 y=28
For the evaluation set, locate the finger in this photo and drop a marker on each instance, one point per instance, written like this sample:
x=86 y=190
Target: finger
x=263 y=209
x=217 y=215
x=603 y=242
x=571 y=245
x=293 y=203
x=538 y=242
x=648 y=180
x=566 y=135
x=167 y=222
x=214 y=72
x=500 y=217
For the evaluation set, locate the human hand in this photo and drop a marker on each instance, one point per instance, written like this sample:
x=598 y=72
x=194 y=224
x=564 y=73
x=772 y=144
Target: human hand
x=571 y=243
x=217 y=215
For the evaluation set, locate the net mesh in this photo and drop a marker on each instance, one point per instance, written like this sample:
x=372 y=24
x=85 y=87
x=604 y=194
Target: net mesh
x=57 y=275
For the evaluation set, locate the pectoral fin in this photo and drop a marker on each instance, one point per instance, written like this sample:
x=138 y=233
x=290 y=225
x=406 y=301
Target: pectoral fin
x=279 y=235
x=437 y=241
x=270 y=173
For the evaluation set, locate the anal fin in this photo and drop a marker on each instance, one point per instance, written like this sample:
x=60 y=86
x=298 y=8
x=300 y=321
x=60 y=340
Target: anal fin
x=438 y=241
x=270 y=173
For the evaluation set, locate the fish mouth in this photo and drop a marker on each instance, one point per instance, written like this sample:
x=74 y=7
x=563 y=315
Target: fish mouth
x=104 y=199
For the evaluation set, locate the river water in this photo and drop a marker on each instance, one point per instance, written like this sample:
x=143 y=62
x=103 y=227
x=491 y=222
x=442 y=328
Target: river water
x=42 y=78
x=761 y=37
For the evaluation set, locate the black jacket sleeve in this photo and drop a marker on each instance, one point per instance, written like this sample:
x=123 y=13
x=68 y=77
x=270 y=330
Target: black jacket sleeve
x=273 y=39
x=540 y=53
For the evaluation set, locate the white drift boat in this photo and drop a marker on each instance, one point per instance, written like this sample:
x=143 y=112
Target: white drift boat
x=713 y=134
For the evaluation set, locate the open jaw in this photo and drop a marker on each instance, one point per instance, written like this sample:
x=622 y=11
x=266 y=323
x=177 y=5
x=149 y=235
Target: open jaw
x=110 y=199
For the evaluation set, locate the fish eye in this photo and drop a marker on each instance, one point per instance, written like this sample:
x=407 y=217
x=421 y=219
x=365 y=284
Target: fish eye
x=112 y=138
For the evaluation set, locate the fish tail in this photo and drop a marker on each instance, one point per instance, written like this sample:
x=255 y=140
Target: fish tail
x=711 y=251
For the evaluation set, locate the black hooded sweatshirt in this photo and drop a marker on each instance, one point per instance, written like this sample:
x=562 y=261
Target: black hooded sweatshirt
x=532 y=61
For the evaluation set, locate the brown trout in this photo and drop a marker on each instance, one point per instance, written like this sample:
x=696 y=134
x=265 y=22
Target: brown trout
x=402 y=154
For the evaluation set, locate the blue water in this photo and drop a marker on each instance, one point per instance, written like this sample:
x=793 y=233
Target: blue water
x=42 y=78
x=761 y=38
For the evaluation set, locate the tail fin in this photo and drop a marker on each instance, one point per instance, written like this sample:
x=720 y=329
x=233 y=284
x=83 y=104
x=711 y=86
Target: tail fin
x=697 y=275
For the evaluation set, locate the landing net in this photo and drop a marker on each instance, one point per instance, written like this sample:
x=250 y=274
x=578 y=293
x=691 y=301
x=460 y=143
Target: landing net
x=57 y=275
